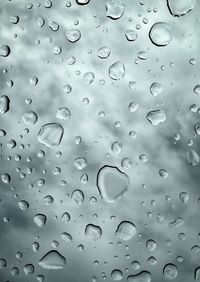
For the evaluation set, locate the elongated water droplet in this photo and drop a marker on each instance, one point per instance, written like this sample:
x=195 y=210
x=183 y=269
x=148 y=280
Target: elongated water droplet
x=53 y=260
x=143 y=276
x=4 y=104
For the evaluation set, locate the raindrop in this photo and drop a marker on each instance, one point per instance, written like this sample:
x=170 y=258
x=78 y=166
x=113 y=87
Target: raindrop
x=53 y=260
x=156 y=89
x=63 y=113
x=192 y=157
x=117 y=71
x=50 y=134
x=116 y=275
x=73 y=35
x=30 y=118
x=160 y=34
x=40 y=220
x=4 y=104
x=125 y=231
x=114 y=9
x=180 y=7
x=103 y=52
x=4 y=50
x=112 y=183
x=170 y=271
x=143 y=276
x=156 y=117
x=93 y=232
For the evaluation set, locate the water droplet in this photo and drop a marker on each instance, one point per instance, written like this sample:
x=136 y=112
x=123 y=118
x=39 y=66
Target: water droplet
x=2 y=263
x=193 y=157
x=4 y=50
x=66 y=237
x=163 y=173
x=23 y=205
x=80 y=163
x=4 y=104
x=112 y=183
x=125 y=231
x=151 y=245
x=196 y=89
x=116 y=275
x=117 y=71
x=82 y=2
x=116 y=147
x=197 y=128
x=30 y=118
x=170 y=271
x=50 y=134
x=63 y=113
x=93 y=232
x=53 y=260
x=156 y=89
x=197 y=274
x=114 y=9
x=143 y=276
x=131 y=35
x=73 y=35
x=103 y=52
x=5 y=178
x=160 y=34
x=40 y=220
x=180 y=7
x=89 y=77
x=29 y=269
x=78 y=196
x=184 y=197
x=156 y=117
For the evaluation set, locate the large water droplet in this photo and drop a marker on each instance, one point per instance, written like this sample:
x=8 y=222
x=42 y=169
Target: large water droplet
x=112 y=183
x=160 y=34
x=53 y=260
x=125 y=231
x=50 y=134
